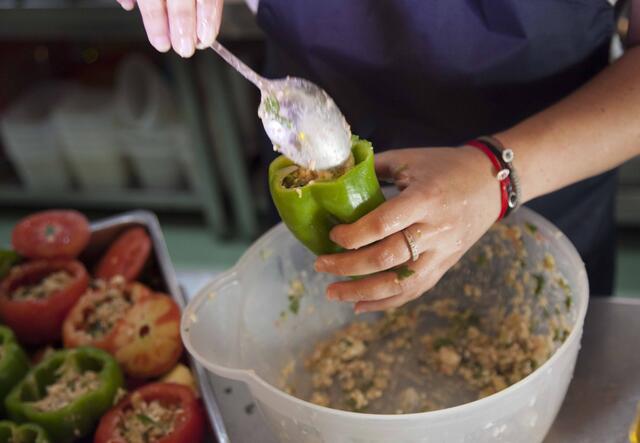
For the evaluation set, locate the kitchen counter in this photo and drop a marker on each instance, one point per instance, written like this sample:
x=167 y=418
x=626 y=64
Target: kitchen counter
x=599 y=407
x=604 y=393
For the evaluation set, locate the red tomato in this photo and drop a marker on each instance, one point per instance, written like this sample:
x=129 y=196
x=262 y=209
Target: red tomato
x=80 y=328
x=188 y=427
x=126 y=256
x=147 y=342
x=51 y=234
x=39 y=320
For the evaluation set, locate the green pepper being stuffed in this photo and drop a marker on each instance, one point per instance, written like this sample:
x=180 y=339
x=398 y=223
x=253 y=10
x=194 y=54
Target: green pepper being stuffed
x=311 y=208
x=25 y=433
x=67 y=392
x=14 y=363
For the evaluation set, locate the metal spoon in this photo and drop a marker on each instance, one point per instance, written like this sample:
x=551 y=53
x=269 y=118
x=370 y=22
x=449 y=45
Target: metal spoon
x=300 y=118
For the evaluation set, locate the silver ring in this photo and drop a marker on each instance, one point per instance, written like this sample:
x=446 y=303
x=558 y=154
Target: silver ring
x=411 y=242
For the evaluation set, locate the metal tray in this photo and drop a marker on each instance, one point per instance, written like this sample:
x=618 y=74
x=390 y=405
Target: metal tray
x=161 y=276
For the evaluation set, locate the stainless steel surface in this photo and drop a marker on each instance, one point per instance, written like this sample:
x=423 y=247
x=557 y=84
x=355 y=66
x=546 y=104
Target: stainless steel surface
x=605 y=390
x=103 y=232
x=299 y=117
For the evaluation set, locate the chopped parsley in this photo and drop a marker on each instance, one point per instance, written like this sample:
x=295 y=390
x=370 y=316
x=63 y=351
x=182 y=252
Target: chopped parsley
x=568 y=301
x=8 y=259
x=560 y=335
x=296 y=291
x=145 y=419
x=539 y=278
x=442 y=342
x=271 y=105
x=533 y=229
x=404 y=272
x=294 y=304
x=481 y=260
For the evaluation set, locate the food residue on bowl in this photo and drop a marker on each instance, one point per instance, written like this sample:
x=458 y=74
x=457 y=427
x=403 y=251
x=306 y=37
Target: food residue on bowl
x=447 y=348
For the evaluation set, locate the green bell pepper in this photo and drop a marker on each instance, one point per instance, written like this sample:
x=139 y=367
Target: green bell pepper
x=36 y=398
x=8 y=259
x=25 y=433
x=311 y=210
x=14 y=363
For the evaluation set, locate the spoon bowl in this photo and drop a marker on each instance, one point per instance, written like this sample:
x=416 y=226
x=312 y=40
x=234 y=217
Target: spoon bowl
x=301 y=119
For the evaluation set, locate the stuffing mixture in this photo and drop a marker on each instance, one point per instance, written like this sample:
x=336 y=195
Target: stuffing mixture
x=44 y=288
x=445 y=349
x=299 y=176
x=113 y=302
x=147 y=422
x=71 y=384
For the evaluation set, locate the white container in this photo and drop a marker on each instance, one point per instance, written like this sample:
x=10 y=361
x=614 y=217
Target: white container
x=30 y=140
x=85 y=124
x=151 y=133
x=231 y=327
x=143 y=98
x=155 y=156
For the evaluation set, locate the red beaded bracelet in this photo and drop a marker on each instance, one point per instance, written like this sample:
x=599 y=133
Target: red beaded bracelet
x=503 y=178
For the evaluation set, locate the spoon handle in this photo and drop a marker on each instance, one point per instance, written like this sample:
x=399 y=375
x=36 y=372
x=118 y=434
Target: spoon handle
x=239 y=65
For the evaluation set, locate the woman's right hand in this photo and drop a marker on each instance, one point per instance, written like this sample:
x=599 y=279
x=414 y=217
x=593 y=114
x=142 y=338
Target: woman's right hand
x=183 y=25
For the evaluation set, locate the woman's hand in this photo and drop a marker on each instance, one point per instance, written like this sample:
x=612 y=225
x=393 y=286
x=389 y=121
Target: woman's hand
x=182 y=24
x=449 y=198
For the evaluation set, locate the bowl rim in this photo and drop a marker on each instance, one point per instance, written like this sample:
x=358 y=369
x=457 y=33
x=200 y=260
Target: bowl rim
x=250 y=377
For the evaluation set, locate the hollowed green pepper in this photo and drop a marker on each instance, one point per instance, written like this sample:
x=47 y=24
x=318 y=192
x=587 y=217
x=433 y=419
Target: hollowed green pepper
x=25 y=433
x=312 y=210
x=14 y=363
x=77 y=417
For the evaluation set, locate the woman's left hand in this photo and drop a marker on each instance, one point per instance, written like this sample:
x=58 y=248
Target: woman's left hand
x=449 y=198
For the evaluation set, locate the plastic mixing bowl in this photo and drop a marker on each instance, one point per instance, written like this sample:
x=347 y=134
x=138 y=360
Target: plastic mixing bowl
x=240 y=326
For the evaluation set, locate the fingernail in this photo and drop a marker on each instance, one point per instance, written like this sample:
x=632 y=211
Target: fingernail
x=334 y=235
x=205 y=32
x=161 y=43
x=127 y=5
x=321 y=264
x=185 y=46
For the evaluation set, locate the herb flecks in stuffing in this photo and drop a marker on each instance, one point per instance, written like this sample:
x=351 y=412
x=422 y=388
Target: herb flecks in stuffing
x=419 y=357
x=403 y=272
x=296 y=291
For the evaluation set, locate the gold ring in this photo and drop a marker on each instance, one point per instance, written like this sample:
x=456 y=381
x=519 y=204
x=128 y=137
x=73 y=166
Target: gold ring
x=411 y=242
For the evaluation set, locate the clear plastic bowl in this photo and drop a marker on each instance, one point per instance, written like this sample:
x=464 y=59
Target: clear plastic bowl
x=30 y=140
x=234 y=328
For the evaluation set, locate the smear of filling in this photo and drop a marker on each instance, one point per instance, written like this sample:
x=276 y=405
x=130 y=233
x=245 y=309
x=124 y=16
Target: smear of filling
x=147 y=422
x=108 y=309
x=44 y=288
x=71 y=383
x=443 y=352
x=300 y=176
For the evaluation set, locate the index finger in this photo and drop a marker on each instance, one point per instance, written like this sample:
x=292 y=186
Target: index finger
x=390 y=217
x=154 y=17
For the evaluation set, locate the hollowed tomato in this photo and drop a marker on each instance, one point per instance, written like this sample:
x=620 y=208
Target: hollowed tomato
x=37 y=317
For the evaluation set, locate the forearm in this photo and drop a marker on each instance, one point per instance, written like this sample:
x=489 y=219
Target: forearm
x=591 y=131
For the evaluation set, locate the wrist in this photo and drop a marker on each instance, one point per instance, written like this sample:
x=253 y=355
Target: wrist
x=484 y=183
x=524 y=160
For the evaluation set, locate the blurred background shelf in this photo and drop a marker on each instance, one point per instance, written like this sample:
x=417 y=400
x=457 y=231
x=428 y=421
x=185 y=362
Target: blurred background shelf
x=101 y=19
x=133 y=198
x=84 y=41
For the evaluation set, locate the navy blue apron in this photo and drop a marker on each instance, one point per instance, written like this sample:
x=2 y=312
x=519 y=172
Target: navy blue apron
x=412 y=73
